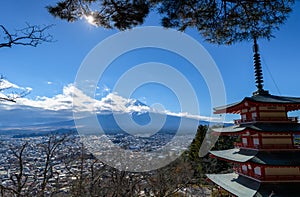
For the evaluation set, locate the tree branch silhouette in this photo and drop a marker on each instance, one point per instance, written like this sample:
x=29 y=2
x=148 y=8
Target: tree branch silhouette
x=31 y=35
x=12 y=96
x=218 y=21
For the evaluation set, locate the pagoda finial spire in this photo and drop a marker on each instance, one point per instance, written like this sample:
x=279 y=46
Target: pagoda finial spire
x=258 y=70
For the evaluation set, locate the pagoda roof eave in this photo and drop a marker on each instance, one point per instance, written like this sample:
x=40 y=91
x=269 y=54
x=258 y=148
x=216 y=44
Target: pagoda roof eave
x=277 y=158
x=235 y=155
x=259 y=127
x=273 y=158
x=229 y=130
x=235 y=184
x=292 y=103
x=240 y=185
x=233 y=108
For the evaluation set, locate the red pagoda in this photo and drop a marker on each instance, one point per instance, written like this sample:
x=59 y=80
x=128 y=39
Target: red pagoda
x=266 y=158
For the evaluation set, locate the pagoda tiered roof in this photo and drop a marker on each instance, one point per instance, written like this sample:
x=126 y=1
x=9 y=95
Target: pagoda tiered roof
x=272 y=158
x=240 y=185
x=260 y=127
x=291 y=103
x=268 y=160
x=235 y=184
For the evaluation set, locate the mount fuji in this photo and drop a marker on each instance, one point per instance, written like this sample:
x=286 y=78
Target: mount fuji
x=113 y=113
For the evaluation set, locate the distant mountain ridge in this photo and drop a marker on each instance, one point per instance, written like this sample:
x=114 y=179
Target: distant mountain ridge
x=107 y=122
x=29 y=120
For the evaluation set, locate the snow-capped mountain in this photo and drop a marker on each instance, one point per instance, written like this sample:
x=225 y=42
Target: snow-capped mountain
x=112 y=112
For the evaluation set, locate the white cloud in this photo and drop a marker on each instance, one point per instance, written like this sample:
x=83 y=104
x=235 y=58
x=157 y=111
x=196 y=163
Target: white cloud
x=28 y=89
x=4 y=84
x=49 y=82
x=62 y=105
x=84 y=103
x=114 y=102
x=59 y=102
x=103 y=91
x=7 y=85
x=3 y=95
x=197 y=117
x=12 y=91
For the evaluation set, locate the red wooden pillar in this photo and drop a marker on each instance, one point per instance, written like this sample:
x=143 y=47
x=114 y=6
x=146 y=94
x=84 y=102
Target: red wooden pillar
x=260 y=140
x=263 y=173
x=257 y=113
x=292 y=140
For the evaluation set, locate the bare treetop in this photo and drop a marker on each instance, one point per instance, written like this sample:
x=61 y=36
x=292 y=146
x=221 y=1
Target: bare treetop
x=31 y=35
x=218 y=21
x=11 y=96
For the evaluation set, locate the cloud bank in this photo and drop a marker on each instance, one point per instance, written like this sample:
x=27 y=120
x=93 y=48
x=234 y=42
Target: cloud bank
x=61 y=107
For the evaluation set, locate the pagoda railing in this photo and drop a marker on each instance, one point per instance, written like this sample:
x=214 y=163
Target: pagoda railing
x=281 y=177
x=277 y=146
x=270 y=119
x=267 y=177
x=266 y=146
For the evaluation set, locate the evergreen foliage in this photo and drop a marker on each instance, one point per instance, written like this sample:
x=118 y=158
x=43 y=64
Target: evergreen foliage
x=206 y=164
x=218 y=21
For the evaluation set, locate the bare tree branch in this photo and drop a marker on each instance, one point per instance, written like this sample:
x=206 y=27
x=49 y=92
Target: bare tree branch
x=50 y=149
x=31 y=35
x=19 y=179
x=12 y=96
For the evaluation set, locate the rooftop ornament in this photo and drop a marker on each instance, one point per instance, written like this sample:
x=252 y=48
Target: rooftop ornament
x=258 y=71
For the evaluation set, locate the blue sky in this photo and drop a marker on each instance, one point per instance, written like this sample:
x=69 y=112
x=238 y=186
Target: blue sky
x=51 y=67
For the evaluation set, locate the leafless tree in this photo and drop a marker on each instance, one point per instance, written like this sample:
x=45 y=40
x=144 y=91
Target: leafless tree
x=18 y=178
x=84 y=171
x=78 y=187
x=29 y=175
x=121 y=183
x=171 y=179
x=30 y=35
x=50 y=150
x=84 y=175
x=13 y=95
x=90 y=177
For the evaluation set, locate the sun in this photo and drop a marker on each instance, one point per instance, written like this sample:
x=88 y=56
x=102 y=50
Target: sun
x=90 y=19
